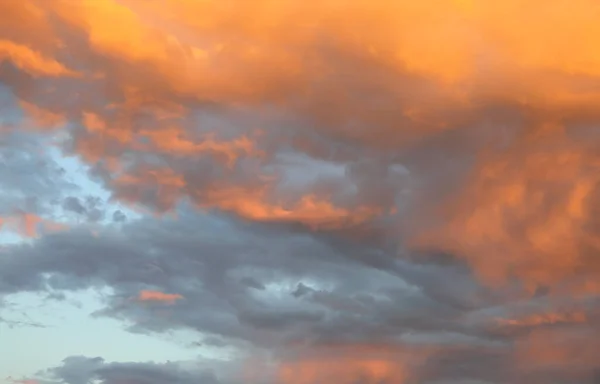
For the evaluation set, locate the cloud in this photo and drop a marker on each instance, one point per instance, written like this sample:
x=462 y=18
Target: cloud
x=81 y=370
x=26 y=381
x=31 y=181
x=381 y=362
x=168 y=298
x=548 y=318
x=31 y=61
x=27 y=224
x=340 y=186
x=354 y=319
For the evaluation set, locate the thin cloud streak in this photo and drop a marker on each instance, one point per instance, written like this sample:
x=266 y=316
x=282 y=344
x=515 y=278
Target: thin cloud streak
x=168 y=298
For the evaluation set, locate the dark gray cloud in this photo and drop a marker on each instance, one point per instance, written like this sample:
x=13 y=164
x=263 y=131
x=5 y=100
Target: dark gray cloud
x=92 y=209
x=118 y=216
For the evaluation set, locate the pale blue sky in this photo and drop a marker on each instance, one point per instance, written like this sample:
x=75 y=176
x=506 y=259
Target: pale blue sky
x=70 y=331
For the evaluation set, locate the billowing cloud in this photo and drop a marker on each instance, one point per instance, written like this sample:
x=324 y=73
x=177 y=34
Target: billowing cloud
x=365 y=191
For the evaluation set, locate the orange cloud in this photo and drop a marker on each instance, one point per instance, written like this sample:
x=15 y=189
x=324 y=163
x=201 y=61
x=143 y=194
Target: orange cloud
x=173 y=140
x=518 y=80
x=310 y=210
x=350 y=364
x=246 y=202
x=30 y=225
x=543 y=349
x=545 y=318
x=31 y=61
x=528 y=213
x=40 y=117
x=167 y=298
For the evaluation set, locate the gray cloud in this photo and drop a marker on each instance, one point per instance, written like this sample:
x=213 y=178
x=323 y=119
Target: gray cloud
x=83 y=370
x=30 y=180
x=293 y=288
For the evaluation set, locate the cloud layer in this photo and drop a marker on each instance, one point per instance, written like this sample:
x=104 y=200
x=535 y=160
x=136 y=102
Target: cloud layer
x=355 y=192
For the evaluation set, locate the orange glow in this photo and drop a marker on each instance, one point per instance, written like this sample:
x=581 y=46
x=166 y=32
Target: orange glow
x=348 y=364
x=557 y=348
x=167 y=298
x=29 y=225
x=95 y=125
x=41 y=117
x=545 y=318
x=526 y=214
x=172 y=140
x=309 y=210
x=30 y=60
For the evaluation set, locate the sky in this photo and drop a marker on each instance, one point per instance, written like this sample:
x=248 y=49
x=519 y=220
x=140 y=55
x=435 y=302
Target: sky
x=299 y=192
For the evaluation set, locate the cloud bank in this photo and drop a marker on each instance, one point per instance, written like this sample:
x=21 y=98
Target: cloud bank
x=350 y=192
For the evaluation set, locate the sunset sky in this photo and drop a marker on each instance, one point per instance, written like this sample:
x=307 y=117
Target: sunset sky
x=299 y=191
